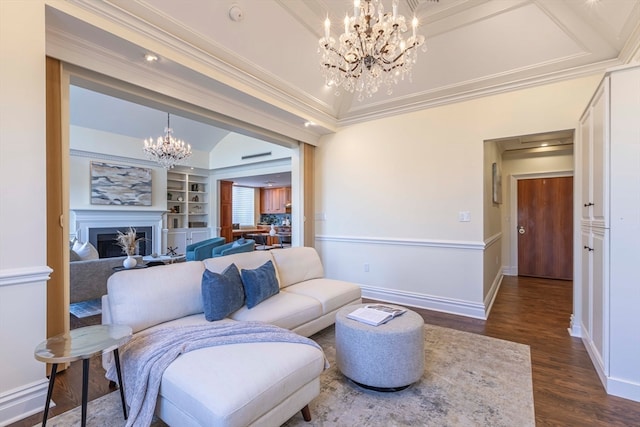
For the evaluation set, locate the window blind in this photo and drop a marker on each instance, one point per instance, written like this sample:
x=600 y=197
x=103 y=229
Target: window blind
x=243 y=205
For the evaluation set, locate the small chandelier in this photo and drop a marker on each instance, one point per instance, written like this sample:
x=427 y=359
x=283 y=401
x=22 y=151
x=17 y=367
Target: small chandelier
x=167 y=151
x=371 y=51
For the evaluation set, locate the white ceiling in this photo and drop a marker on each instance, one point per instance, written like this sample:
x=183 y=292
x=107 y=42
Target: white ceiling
x=268 y=62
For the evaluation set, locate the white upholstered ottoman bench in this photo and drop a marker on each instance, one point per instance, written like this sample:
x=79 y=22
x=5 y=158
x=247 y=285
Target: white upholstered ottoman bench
x=387 y=357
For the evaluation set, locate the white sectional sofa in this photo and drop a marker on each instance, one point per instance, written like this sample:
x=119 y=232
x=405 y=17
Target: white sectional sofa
x=258 y=383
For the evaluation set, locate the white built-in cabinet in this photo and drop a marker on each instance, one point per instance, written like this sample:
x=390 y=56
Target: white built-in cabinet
x=609 y=288
x=187 y=217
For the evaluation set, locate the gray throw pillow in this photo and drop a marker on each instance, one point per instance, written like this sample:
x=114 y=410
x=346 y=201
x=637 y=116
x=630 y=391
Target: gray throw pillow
x=222 y=294
x=260 y=284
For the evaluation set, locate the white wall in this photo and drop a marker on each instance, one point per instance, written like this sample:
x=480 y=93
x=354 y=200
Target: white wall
x=109 y=148
x=23 y=258
x=492 y=234
x=229 y=151
x=390 y=191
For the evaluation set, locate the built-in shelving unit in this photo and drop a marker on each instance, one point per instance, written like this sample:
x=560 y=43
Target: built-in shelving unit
x=187 y=200
x=187 y=218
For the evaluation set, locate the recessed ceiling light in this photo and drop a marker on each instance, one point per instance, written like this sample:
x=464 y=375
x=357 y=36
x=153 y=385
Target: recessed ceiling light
x=150 y=57
x=544 y=145
x=309 y=123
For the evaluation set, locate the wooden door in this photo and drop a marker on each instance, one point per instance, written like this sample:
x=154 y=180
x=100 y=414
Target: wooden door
x=226 y=210
x=545 y=227
x=57 y=205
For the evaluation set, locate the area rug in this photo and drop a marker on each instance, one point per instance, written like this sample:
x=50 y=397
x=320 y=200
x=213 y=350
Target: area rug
x=86 y=308
x=469 y=380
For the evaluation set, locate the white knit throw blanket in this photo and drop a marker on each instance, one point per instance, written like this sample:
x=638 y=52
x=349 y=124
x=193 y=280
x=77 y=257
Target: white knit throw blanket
x=145 y=357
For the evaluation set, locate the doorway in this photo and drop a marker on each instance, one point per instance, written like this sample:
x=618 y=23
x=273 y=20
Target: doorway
x=545 y=227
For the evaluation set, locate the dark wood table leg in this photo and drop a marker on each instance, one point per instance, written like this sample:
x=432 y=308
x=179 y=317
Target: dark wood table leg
x=116 y=356
x=85 y=390
x=52 y=379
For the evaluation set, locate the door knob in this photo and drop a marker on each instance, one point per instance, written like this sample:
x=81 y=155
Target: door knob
x=521 y=230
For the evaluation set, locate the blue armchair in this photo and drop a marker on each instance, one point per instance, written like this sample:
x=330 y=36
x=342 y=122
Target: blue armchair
x=240 y=245
x=202 y=250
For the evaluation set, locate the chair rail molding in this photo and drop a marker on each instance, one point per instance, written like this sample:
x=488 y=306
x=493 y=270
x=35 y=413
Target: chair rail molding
x=19 y=276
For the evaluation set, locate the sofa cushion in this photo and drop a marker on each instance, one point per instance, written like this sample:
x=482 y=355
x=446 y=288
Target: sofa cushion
x=222 y=294
x=237 y=384
x=284 y=309
x=146 y=297
x=297 y=264
x=332 y=294
x=259 y=283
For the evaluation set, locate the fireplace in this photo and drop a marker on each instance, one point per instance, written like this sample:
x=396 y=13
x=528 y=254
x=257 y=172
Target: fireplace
x=104 y=240
x=86 y=224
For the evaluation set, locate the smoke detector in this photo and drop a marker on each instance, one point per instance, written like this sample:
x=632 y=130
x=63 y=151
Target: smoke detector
x=235 y=13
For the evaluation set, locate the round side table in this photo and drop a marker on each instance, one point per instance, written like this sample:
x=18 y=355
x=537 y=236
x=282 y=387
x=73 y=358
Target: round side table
x=82 y=343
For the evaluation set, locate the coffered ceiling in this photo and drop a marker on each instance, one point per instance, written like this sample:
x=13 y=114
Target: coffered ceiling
x=268 y=60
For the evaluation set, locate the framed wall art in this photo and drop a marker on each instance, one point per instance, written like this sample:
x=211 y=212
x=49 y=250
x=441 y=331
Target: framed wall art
x=497 y=184
x=120 y=185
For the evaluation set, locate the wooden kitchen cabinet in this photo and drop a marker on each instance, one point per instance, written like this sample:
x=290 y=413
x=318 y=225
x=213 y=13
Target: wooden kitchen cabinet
x=274 y=200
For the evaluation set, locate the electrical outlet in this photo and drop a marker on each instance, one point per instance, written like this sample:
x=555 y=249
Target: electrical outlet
x=366 y=268
x=464 y=216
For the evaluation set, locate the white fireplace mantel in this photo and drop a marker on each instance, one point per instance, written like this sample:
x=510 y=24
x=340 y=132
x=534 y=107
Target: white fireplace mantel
x=94 y=218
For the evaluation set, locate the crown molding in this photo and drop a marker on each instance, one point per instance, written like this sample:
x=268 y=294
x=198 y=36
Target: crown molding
x=471 y=90
x=225 y=68
x=257 y=97
x=232 y=113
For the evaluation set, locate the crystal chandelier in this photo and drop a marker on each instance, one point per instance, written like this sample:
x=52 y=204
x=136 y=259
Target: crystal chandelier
x=167 y=151
x=371 y=51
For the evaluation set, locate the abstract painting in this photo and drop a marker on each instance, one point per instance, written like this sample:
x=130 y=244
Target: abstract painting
x=120 y=185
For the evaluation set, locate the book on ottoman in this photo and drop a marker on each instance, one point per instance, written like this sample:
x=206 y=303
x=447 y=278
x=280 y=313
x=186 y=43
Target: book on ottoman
x=375 y=314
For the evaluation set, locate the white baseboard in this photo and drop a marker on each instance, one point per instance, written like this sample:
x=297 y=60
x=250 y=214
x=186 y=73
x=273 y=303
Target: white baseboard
x=596 y=360
x=575 y=329
x=21 y=403
x=623 y=388
x=428 y=302
x=493 y=293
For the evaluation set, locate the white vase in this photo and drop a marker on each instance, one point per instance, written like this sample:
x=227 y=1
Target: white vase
x=129 y=262
x=272 y=232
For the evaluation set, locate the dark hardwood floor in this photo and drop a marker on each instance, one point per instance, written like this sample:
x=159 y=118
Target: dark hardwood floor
x=566 y=388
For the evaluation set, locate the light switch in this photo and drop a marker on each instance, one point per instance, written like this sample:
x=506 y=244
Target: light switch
x=464 y=216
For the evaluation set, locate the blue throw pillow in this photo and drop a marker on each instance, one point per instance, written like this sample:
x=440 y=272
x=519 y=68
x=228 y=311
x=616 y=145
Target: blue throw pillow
x=222 y=294
x=260 y=284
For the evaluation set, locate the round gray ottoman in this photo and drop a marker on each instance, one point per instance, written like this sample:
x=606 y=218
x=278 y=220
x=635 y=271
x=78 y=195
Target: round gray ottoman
x=388 y=357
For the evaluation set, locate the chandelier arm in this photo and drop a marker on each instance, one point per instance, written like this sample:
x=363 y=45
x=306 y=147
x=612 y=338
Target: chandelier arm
x=334 y=66
x=402 y=53
x=341 y=56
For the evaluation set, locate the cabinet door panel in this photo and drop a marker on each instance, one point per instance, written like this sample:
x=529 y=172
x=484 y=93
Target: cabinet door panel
x=600 y=301
x=177 y=239
x=585 y=141
x=199 y=235
x=586 y=282
x=600 y=155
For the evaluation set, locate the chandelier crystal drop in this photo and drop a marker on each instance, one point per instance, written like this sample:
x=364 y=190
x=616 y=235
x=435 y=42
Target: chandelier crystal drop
x=167 y=151
x=371 y=51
